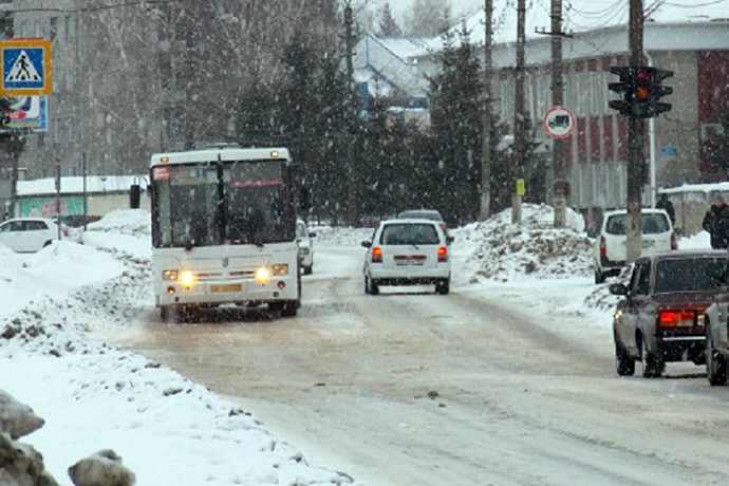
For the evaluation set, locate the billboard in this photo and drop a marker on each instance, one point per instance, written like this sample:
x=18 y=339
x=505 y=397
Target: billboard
x=29 y=113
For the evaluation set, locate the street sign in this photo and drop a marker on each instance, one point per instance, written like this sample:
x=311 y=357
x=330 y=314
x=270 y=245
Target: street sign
x=668 y=151
x=26 y=67
x=27 y=113
x=520 y=187
x=559 y=122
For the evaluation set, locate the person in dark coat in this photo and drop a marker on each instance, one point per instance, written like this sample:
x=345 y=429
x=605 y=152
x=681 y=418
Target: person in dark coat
x=666 y=204
x=716 y=222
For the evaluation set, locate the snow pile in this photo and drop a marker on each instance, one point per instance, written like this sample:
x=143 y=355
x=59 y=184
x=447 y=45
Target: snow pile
x=53 y=272
x=133 y=222
x=341 y=236
x=124 y=233
x=499 y=250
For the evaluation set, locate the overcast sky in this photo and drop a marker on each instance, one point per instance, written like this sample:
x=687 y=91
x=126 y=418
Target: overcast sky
x=459 y=6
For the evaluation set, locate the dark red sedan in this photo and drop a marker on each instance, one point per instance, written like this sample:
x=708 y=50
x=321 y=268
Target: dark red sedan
x=661 y=318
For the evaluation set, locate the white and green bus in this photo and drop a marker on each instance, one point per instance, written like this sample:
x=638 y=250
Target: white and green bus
x=224 y=229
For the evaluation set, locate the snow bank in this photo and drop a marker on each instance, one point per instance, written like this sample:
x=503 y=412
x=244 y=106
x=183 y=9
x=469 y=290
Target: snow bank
x=54 y=272
x=134 y=222
x=498 y=250
x=124 y=233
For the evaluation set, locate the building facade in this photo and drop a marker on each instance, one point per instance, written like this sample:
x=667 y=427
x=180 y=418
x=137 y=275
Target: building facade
x=698 y=54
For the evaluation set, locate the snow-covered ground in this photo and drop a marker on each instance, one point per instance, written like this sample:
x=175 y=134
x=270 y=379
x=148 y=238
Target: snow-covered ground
x=167 y=429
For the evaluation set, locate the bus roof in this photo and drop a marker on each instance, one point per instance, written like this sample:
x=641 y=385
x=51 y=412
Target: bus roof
x=225 y=154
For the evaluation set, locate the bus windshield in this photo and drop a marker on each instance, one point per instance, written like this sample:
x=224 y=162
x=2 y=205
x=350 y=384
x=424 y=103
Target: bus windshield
x=209 y=204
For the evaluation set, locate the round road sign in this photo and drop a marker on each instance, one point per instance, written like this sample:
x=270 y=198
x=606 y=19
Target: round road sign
x=559 y=122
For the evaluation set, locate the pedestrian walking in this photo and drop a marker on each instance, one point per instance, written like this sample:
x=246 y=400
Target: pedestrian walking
x=716 y=222
x=666 y=204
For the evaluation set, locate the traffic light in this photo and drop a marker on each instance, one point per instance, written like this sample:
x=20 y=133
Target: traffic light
x=641 y=90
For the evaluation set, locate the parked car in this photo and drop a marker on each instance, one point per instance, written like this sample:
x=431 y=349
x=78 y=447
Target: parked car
x=306 y=247
x=716 y=319
x=661 y=317
x=27 y=235
x=408 y=252
x=610 y=245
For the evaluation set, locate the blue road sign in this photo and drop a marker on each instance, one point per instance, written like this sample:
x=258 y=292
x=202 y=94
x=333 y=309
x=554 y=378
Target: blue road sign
x=26 y=67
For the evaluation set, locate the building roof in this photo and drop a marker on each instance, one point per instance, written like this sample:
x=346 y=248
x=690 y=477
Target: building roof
x=584 y=16
x=388 y=66
x=74 y=185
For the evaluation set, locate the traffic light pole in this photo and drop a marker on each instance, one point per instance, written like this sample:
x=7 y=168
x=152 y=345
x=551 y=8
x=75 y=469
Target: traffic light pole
x=636 y=136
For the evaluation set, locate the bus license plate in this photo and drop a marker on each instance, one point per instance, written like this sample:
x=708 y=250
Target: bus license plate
x=226 y=288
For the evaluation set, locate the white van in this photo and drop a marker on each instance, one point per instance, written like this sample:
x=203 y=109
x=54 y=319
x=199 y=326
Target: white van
x=610 y=252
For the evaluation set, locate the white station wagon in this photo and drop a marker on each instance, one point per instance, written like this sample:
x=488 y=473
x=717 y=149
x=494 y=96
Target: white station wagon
x=408 y=252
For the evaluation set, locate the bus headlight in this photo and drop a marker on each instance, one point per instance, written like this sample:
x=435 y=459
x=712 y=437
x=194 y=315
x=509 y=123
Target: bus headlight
x=187 y=278
x=263 y=275
x=170 y=275
x=280 y=269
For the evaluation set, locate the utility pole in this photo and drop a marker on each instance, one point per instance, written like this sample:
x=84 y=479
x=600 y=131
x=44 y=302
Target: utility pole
x=519 y=151
x=351 y=112
x=85 y=192
x=636 y=129
x=486 y=154
x=189 y=75
x=558 y=161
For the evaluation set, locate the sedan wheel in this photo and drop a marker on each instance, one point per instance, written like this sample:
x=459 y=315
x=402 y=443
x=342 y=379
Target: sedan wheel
x=624 y=364
x=652 y=364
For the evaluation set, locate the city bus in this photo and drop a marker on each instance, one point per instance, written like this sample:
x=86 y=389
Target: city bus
x=224 y=230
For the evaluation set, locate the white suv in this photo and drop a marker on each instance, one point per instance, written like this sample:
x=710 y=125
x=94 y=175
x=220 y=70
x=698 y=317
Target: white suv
x=26 y=235
x=408 y=252
x=610 y=252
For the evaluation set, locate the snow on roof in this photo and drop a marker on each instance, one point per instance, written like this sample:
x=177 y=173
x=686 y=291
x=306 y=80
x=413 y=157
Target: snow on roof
x=74 y=185
x=581 y=16
x=405 y=48
x=705 y=188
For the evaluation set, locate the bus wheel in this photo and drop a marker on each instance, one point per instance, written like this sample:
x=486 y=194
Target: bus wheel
x=290 y=308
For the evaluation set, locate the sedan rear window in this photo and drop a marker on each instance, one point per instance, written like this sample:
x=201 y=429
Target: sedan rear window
x=409 y=234
x=690 y=275
x=651 y=224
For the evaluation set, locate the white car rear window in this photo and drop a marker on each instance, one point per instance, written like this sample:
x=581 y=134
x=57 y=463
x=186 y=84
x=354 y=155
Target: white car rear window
x=409 y=234
x=652 y=224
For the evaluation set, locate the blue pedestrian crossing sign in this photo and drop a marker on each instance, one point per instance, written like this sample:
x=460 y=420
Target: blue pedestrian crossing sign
x=26 y=67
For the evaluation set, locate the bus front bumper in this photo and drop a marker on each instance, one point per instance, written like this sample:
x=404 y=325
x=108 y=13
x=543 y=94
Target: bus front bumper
x=278 y=289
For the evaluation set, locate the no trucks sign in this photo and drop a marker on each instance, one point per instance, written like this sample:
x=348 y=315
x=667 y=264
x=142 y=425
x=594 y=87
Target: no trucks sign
x=559 y=122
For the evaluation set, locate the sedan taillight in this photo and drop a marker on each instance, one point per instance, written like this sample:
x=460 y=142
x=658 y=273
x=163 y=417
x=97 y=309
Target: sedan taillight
x=676 y=318
x=442 y=254
x=377 y=254
x=674 y=242
x=603 y=247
